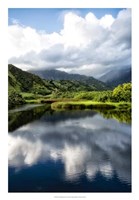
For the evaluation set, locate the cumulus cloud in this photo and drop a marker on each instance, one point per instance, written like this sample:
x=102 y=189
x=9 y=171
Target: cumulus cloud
x=85 y=145
x=98 y=44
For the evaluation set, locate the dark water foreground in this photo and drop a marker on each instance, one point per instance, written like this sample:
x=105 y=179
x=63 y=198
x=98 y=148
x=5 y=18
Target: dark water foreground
x=73 y=151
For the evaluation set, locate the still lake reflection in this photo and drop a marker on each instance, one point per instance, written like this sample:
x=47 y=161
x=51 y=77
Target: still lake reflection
x=73 y=151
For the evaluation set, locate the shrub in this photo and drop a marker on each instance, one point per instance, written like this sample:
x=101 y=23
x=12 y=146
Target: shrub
x=14 y=99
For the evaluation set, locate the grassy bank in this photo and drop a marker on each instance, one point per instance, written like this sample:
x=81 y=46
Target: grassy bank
x=64 y=105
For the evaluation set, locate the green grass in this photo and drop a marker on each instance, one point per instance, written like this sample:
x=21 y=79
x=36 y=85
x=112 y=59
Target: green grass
x=34 y=98
x=69 y=105
x=31 y=96
x=73 y=104
x=32 y=101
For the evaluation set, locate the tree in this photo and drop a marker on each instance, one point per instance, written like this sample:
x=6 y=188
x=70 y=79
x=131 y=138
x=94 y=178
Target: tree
x=122 y=92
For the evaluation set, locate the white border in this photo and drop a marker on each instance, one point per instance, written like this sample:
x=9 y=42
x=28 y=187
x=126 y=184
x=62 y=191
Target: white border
x=69 y=3
x=4 y=5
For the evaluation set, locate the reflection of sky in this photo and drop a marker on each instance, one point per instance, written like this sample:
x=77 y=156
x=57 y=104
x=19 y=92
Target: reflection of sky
x=24 y=107
x=85 y=146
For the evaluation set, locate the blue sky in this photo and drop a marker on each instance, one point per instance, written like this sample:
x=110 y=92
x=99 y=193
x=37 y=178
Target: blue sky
x=50 y=19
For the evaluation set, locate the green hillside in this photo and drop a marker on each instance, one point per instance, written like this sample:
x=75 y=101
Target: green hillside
x=23 y=81
x=24 y=85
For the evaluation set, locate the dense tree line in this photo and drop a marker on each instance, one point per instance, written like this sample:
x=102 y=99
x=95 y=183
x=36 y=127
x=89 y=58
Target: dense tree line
x=120 y=93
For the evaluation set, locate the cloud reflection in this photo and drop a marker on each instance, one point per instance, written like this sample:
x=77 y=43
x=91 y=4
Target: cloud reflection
x=87 y=146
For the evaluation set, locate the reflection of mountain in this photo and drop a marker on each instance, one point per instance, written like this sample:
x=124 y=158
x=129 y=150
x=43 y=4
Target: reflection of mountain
x=88 y=146
x=20 y=118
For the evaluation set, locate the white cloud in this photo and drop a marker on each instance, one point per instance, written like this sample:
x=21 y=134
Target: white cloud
x=107 y=21
x=95 y=43
x=15 y=21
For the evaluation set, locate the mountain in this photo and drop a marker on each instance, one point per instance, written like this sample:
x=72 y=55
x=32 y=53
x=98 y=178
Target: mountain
x=22 y=81
x=117 y=76
x=60 y=75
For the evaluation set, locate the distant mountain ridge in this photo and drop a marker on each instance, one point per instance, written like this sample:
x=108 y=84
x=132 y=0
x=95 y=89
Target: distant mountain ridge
x=54 y=74
x=116 y=77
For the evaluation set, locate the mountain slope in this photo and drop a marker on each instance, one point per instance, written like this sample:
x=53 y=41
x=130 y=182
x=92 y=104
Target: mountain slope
x=60 y=75
x=22 y=81
x=116 y=77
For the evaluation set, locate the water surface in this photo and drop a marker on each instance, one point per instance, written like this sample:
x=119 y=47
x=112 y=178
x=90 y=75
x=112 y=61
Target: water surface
x=69 y=151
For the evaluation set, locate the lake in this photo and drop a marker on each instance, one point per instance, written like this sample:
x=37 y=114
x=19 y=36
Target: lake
x=69 y=151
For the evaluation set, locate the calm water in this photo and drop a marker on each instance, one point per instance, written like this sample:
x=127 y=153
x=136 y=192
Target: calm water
x=73 y=151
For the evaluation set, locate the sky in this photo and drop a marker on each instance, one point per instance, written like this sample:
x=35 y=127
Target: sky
x=51 y=19
x=85 y=41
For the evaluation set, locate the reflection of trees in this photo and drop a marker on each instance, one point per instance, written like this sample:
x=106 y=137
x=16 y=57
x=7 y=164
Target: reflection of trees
x=60 y=116
x=17 y=119
x=21 y=118
x=121 y=116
